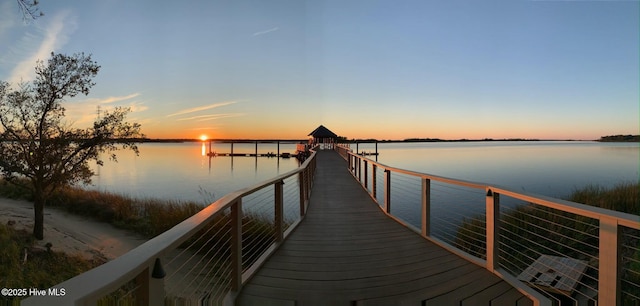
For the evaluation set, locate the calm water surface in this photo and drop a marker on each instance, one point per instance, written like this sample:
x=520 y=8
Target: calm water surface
x=179 y=171
x=548 y=168
x=552 y=168
x=183 y=172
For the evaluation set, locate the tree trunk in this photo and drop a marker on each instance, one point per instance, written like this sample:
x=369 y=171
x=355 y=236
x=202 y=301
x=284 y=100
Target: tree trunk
x=38 y=221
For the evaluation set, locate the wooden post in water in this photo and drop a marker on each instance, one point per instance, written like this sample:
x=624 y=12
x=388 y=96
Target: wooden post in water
x=278 y=155
x=256 y=149
x=210 y=141
x=232 y=148
x=376 y=150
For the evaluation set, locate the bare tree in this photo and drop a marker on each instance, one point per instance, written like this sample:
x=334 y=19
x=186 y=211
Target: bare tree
x=38 y=149
x=29 y=9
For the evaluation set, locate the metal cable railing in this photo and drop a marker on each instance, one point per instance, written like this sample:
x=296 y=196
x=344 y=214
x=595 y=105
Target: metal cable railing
x=204 y=260
x=202 y=266
x=291 y=200
x=630 y=266
x=451 y=208
x=258 y=224
x=554 y=251
x=379 y=183
x=406 y=198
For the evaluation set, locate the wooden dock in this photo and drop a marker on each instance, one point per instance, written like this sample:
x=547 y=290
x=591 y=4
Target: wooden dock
x=348 y=252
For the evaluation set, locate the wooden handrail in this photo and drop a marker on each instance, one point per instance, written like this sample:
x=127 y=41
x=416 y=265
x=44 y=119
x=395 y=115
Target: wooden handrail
x=87 y=288
x=622 y=218
x=609 y=276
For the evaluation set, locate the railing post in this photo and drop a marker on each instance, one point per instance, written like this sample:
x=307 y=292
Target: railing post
x=156 y=284
x=236 y=245
x=360 y=170
x=374 y=182
x=366 y=178
x=302 y=187
x=609 y=292
x=309 y=184
x=387 y=191
x=426 y=207
x=150 y=285
x=308 y=180
x=279 y=210
x=493 y=228
x=142 y=291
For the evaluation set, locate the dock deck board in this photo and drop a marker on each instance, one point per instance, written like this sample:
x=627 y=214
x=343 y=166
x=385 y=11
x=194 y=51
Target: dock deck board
x=348 y=252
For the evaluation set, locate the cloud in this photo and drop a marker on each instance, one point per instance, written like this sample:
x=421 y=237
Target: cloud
x=138 y=107
x=212 y=117
x=54 y=35
x=84 y=112
x=109 y=100
x=201 y=108
x=266 y=31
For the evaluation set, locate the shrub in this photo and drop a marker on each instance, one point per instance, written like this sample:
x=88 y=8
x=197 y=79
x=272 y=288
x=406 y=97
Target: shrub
x=42 y=269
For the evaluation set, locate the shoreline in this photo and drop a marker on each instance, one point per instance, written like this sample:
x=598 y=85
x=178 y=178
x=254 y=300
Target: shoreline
x=69 y=233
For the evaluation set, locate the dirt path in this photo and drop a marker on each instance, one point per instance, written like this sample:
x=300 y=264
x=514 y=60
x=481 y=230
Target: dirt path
x=70 y=233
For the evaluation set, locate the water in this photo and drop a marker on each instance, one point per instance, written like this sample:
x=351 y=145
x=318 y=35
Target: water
x=183 y=172
x=551 y=168
x=180 y=171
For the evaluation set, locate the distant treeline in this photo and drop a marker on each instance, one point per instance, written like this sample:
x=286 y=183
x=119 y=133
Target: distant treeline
x=342 y=139
x=222 y=140
x=464 y=139
x=620 y=138
x=441 y=140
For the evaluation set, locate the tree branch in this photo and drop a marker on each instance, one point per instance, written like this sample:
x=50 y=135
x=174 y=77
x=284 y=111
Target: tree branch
x=29 y=10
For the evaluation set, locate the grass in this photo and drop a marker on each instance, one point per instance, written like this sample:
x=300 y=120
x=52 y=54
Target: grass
x=147 y=217
x=534 y=230
x=41 y=269
x=150 y=217
x=624 y=197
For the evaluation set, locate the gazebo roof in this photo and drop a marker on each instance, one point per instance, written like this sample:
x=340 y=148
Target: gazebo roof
x=322 y=132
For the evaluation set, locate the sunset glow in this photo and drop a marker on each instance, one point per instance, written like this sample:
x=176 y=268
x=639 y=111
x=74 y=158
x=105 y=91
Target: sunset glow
x=364 y=69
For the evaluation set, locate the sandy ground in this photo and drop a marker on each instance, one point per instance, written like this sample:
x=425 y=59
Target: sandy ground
x=70 y=233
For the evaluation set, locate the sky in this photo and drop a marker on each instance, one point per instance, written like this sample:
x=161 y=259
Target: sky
x=364 y=69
